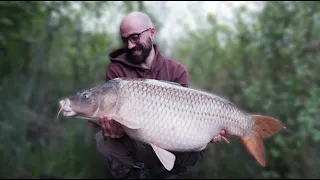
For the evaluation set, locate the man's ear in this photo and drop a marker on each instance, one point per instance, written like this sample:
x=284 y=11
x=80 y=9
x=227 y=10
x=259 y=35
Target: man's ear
x=153 y=33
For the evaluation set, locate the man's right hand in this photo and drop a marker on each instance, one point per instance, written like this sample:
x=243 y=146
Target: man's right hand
x=110 y=127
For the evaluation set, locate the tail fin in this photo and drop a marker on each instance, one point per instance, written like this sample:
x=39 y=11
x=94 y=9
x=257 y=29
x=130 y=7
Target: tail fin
x=263 y=127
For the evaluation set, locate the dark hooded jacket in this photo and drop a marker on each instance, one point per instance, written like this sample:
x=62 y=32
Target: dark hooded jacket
x=163 y=68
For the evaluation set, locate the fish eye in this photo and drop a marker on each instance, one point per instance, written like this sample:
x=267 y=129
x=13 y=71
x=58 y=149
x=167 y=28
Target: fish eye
x=86 y=95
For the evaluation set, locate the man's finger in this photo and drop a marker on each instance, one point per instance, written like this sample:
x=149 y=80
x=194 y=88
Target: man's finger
x=101 y=120
x=219 y=138
x=223 y=132
x=108 y=128
x=103 y=126
x=215 y=139
x=113 y=130
x=223 y=135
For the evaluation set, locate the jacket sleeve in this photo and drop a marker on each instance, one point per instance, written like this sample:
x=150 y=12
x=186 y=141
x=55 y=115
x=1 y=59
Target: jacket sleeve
x=183 y=76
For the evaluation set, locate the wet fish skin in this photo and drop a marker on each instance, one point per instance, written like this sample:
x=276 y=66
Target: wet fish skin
x=183 y=114
x=170 y=117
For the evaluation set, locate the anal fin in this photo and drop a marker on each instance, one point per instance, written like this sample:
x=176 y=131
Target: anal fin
x=166 y=158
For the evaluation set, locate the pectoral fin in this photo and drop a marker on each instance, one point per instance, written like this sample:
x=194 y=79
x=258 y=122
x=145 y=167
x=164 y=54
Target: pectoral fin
x=165 y=157
x=129 y=124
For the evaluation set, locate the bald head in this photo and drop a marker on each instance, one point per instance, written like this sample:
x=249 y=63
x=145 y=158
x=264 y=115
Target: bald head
x=135 y=22
x=137 y=34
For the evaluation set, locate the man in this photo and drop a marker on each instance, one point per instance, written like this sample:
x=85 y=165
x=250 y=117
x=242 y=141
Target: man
x=139 y=58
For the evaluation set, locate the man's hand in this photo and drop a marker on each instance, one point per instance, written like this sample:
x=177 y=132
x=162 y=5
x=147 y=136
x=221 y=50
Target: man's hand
x=109 y=127
x=218 y=138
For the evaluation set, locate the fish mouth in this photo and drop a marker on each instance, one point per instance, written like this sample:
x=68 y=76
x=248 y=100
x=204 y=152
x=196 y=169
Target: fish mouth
x=65 y=108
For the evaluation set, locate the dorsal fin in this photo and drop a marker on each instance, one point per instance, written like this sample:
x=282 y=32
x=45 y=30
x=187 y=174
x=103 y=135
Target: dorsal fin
x=146 y=79
x=173 y=83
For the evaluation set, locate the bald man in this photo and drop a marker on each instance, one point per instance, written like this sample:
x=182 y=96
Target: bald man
x=140 y=58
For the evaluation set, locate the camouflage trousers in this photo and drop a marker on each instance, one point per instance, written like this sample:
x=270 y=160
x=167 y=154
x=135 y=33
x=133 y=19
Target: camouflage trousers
x=120 y=155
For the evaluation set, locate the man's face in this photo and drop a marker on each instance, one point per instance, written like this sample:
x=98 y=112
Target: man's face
x=138 y=44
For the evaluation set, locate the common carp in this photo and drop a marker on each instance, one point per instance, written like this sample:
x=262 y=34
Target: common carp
x=171 y=117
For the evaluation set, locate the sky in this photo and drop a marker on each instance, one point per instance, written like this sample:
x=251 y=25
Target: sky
x=181 y=12
x=184 y=11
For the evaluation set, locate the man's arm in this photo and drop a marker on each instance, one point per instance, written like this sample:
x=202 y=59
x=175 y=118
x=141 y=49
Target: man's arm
x=182 y=76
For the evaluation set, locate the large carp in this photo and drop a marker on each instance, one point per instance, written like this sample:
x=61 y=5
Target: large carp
x=170 y=117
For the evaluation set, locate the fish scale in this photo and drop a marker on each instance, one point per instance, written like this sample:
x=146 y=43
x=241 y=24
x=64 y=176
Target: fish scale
x=171 y=117
x=187 y=114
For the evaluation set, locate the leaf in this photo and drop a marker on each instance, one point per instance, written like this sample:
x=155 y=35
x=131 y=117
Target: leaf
x=6 y=21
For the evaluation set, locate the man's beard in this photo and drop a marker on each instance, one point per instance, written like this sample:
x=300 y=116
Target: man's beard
x=145 y=51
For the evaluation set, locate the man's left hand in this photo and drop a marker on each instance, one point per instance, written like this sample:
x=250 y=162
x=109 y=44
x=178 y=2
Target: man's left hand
x=222 y=135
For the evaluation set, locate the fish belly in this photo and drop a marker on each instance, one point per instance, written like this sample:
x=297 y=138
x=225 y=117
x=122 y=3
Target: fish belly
x=171 y=131
x=176 y=118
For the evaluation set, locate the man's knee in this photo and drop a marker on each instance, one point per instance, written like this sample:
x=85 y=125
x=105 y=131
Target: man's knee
x=108 y=147
x=188 y=159
x=115 y=154
x=125 y=150
x=101 y=145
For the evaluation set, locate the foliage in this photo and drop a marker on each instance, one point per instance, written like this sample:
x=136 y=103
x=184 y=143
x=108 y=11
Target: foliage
x=267 y=62
x=267 y=65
